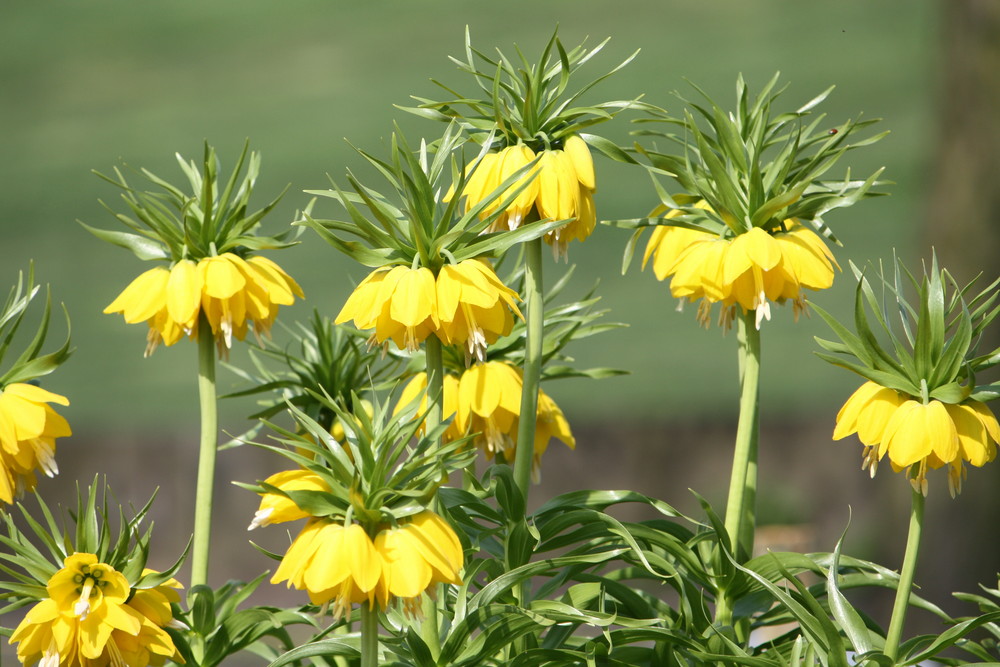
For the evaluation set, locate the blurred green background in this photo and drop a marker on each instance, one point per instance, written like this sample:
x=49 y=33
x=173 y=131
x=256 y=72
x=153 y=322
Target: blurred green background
x=93 y=85
x=97 y=84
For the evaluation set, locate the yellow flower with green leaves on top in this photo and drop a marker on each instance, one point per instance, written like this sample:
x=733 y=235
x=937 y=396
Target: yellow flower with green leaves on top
x=560 y=186
x=748 y=228
x=370 y=534
x=92 y=617
x=920 y=407
x=208 y=243
x=531 y=130
x=29 y=424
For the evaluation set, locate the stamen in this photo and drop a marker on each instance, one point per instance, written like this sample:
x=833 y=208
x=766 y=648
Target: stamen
x=260 y=518
x=82 y=606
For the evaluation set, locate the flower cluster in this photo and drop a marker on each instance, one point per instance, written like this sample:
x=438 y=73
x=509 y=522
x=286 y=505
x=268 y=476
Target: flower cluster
x=749 y=270
x=231 y=293
x=465 y=304
x=486 y=401
x=559 y=187
x=28 y=431
x=343 y=564
x=92 y=617
x=913 y=433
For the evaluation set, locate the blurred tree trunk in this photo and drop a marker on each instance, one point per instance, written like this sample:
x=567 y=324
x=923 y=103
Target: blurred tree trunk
x=964 y=227
x=964 y=211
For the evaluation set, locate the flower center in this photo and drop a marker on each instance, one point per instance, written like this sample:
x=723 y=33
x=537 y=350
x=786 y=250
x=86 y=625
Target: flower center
x=89 y=585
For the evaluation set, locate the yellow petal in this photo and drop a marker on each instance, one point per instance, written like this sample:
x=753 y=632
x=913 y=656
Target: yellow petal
x=579 y=153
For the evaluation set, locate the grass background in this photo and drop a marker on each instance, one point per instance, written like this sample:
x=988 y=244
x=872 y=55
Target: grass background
x=97 y=84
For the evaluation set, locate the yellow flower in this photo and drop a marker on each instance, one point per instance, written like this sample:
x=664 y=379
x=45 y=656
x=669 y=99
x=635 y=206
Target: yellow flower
x=749 y=270
x=561 y=187
x=28 y=431
x=343 y=565
x=400 y=303
x=913 y=433
x=231 y=292
x=86 y=620
x=466 y=304
x=276 y=508
x=473 y=305
x=486 y=400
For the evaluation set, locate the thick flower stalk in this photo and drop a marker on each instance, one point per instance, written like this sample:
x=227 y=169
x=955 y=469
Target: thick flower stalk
x=231 y=292
x=485 y=402
x=212 y=290
x=464 y=304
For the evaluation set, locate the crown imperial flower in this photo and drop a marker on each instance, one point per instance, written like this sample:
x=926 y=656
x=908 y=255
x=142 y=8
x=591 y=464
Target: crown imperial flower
x=912 y=433
x=465 y=304
x=486 y=401
x=748 y=270
x=342 y=564
x=88 y=619
x=230 y=292
x=560 y=187
x=28 y=431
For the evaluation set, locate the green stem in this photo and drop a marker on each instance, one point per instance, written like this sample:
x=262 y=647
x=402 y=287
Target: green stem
x=369 y=635
x=902 y=602
x=740 y=508
x=533 y=299
x=435 y=400
x=206 y=454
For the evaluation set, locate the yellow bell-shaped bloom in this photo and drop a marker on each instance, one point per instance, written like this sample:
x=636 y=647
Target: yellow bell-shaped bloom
x=400 y=303
x=749 y=270
x=465 y=304
x=560 y=187
x=912 y=433
x=276 y=508
x=486 y=400
x=28 y=431
x=343 y=565
x=474 y=306
x=88 y=620
x=231 y=292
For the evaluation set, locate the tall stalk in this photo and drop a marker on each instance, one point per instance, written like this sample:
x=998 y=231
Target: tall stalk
x=206 y=453
x=740 y=508
x=369 y=635
x=525 y=452
x=435 y=400
x=902 y=602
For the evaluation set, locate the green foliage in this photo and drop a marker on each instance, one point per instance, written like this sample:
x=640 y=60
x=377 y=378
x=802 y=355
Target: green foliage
x=526 y=102
x=31 y=560
x=419 y=227
x=30 y=364
x=213 y=217
x=934 y=354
